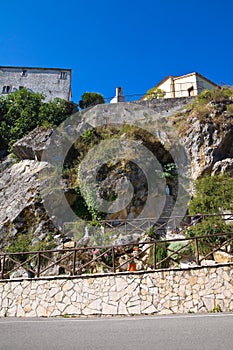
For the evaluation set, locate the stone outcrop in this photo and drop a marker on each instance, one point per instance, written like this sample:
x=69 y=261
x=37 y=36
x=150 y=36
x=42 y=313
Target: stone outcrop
x=208 y=137
x=209 y=145
x=223 y=166
x=221 y=257
x=32 y=145
x=21 y=207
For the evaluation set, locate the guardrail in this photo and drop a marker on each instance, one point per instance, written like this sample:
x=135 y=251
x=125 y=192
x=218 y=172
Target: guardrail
x=129 y=257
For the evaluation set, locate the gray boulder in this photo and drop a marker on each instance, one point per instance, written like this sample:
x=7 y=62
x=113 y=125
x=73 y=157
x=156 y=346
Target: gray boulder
x=223 y=166
x=32 y=145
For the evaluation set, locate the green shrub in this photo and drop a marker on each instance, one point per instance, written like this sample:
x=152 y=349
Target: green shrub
x=213 y=194
x=161 y=253
x=91 y=99
x=170 y=170
x=230 y=109
x=155 y=93
x=23 y=110
x=184 y=250
x=209 y=226
x=215 y=95
x=23 y=243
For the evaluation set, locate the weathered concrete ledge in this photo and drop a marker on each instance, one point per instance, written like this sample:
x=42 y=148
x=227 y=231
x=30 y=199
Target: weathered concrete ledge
x=200 y=289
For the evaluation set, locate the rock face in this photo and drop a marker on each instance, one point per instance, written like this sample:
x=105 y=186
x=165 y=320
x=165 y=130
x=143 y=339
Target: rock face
x=32 y=145
x=223 y=166
x=210 y=143
x=21 y=207
x=209 y=146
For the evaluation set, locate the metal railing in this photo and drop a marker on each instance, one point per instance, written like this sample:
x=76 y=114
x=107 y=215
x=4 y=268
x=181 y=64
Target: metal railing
x=179 y=90
x=153 y=254
x=172 y=225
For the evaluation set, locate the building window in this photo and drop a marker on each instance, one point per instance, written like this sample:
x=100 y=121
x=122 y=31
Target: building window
x=21 y=87
x=24 y=73
x=6 y=89
x=63 y=75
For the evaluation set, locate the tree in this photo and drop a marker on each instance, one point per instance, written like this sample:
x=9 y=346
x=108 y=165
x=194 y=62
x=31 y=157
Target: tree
x=20 y=115
x=155 y=93
x=23 y=110
x=55 y=112
x=91 y=99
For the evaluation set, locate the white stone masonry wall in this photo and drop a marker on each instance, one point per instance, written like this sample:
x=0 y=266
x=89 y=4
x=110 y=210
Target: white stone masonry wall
x=46 y=81
x=164 y=292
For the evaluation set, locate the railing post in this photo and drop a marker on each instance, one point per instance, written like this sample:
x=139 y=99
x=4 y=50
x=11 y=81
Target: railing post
x=38 y=264
x=113 y=260
x=154 y=255
x=74 y=262
x=3 y=266
x=196 y=251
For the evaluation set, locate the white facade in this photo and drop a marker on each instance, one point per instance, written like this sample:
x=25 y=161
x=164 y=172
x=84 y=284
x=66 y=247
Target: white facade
x=52 y=82
x=183 y=86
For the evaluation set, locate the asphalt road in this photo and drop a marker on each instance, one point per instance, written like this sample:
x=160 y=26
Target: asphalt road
x=181 y=332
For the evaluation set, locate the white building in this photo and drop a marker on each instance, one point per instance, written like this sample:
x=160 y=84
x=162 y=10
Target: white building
x=190 y=84
x=52 y=82
x=119 y=96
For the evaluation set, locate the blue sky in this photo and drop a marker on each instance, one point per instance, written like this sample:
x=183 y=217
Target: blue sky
x=133 y=44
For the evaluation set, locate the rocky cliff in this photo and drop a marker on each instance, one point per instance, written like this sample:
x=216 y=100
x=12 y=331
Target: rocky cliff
x=207 y=139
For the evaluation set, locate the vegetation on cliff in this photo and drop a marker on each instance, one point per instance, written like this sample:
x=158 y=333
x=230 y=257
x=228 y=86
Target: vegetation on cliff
x=213 y=195
x=111 y=172
x=210 y=106
x=90 y=99
x=23 y=111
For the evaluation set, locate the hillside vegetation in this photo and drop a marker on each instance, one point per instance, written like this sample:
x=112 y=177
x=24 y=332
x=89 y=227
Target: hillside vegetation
x=211 y=106
x=23 y=111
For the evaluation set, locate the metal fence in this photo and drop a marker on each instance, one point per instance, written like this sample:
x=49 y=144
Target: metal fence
x=123 y=227
x=78 y=261
x=151 y=254
x=184 y=89
x=127 y=98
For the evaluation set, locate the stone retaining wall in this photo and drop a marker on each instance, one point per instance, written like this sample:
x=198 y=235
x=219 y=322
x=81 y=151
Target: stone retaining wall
x=167 y=106
x=201 y=289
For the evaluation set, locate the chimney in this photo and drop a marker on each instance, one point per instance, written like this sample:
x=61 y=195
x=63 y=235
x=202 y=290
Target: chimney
x=119 y=96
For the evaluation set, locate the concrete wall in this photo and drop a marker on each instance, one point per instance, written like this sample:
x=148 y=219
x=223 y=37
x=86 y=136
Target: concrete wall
x=201 y=289
x=50 y=82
